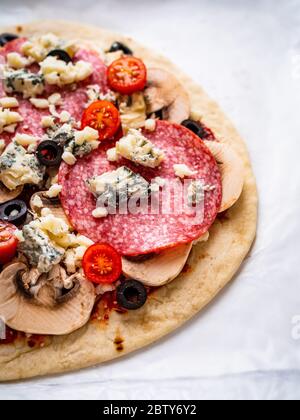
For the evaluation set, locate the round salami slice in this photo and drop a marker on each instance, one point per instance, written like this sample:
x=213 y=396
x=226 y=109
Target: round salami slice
x=167 y=223
x=73 y=100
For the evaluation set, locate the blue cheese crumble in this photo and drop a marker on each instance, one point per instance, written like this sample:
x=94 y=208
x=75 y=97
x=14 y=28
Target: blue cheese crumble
x=39 y=249
x=137 y=148
x=17 y=167
x=23 y=81
x=117 y=186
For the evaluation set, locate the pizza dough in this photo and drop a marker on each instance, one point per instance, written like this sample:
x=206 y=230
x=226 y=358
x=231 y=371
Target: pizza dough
x=211 y=265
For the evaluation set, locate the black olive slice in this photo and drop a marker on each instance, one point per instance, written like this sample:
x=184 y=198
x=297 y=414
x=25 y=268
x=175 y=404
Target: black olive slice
x=5 y=38
x=49 y=153
x=119 y=46
x=61 y=55
x=199 y=129
x=141 y=258
x=14 y=211
x=194 y=126
x=131 y=294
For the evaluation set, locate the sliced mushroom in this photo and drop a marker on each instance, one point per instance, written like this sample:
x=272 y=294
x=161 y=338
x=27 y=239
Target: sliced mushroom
x=232 y=171
x=160 y=269
x=164 y=92
x=7 y=195
x=51 y=203
x=47 y=313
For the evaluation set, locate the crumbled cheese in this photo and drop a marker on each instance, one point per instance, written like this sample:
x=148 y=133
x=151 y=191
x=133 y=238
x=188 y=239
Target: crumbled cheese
x=150 y=125
x=100 y=212
x=64 y=116
x=69 y=158
x=47 y=122
x=9 y=102
x=25 y=139
x=133 y=111
x=196 y=191
x=17 y=167
x=38 y=47
x=37 y=246
x=55 y=99
x=39 y=103
x=84 y=241
x=137 y=148
x=10 y=128
x=17 y=61
x=22 y=81
x=117 y=186
x=74 y=256
x=8 y=118
x=37 y=202
x=53 y=225
x=86 y=135
x=54 y=191
x=46 y=212
x=83 y=142
x=53 y=112
x=94 y=94
x=14 y=213
x=112 y=155
x=182 y=170
x=60 y=73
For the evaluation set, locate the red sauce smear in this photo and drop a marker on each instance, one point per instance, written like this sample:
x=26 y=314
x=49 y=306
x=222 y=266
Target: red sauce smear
x=32 y=340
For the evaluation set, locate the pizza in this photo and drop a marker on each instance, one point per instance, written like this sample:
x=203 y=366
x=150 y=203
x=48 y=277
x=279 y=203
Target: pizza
x=127 y=198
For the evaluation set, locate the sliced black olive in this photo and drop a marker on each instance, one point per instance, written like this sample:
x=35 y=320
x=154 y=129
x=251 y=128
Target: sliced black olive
x=118 y=46
x=131 y=294
x=14 y=211
x=141 y=258
x=49 y=153
x=5 y=38
x=199 y=129
x=61 y=55
x=194 y=126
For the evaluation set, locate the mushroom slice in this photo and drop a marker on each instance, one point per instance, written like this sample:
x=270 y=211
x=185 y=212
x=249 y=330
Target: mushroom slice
x=164 y=92
x=7 y=195
x=232 y=171
x=51 y=203
x=22 y=313
x=159 y=270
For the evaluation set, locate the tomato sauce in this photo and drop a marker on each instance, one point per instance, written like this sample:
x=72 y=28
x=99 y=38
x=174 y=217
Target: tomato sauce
x=32 y=341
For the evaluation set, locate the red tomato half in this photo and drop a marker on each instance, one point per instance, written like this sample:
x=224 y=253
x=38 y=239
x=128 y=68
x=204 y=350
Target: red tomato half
x=102 y=264
x=127 y=75
x=8 y=242
x=102 y=116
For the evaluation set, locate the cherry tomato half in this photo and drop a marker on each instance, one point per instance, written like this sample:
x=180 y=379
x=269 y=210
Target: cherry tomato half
x=127 y=75
x=8 y=242
x=102 y=116
x=102 y=264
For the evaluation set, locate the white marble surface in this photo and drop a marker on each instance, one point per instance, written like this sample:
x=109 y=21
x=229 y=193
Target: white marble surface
x=243 y=346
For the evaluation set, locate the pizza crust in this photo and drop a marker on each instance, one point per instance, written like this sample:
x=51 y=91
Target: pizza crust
x=212 y=264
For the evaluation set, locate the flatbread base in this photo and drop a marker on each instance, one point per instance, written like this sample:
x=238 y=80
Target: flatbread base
x=211 y=265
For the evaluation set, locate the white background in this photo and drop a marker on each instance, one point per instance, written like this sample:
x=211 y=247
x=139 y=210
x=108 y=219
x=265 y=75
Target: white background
x=247 y=56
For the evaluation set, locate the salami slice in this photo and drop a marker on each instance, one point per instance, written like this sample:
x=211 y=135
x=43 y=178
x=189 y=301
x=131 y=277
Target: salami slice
x=137 y=234
x=73 y=101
